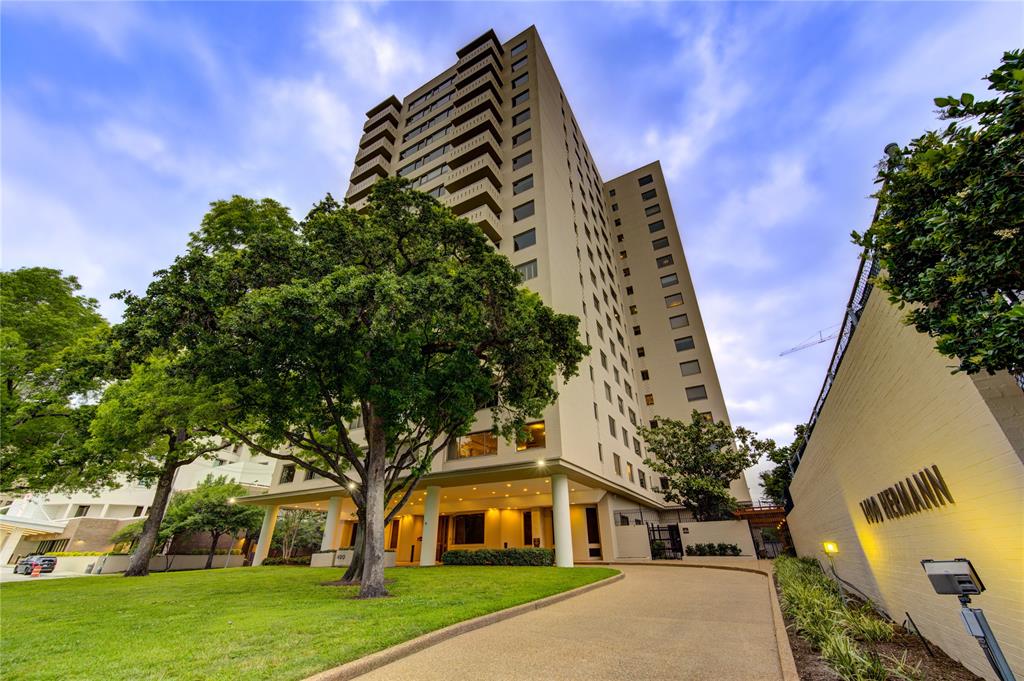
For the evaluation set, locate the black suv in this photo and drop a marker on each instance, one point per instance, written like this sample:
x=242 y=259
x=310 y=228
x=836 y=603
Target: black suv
x=26 y=564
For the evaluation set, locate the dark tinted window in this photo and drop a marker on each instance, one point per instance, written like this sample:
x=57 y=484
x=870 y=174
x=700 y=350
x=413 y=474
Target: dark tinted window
x=684 y=343
x=646 y=179
x=524 y=239
x=521 y=161
x=523 y=211
x=648 y=195
x=656 y=226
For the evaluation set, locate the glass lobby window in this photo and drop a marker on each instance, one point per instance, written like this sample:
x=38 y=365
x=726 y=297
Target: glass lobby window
x=674 y=300
x=469 y=529
x=483 y=443
x=679 y=321
x=522 y=184
x=697 y=392
x=524 y=239
x=656 y=226
x=664 y=261
x=521 y=117
x=524 y=136
x=669 y=280
x=645 y=180
x=689 y=368
x=536 y=437
x=658 y=244
x=520 y=98
x=684 y=343
x=652 y=210
x=528 y=270
x=649 y=194
x=522 y=161
x=522 y=211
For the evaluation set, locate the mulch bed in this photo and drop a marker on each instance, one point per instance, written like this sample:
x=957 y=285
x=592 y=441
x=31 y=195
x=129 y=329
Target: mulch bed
x=941 y=667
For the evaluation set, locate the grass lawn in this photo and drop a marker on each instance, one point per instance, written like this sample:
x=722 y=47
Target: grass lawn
x=252 y=623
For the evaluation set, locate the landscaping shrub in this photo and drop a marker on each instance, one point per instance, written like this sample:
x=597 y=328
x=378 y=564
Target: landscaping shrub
x=524 y=556
x=821 y=615
x=720 y=549
x=278 y=560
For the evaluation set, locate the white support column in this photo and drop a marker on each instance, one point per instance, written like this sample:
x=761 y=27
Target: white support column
x=431 y=509
x=331 y=533
x=560 y=520
x=266 y=534
x=7 y=550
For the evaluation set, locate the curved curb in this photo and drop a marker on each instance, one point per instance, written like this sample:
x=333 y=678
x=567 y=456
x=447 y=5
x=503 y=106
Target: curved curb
x=787 y=665
x=364 y=665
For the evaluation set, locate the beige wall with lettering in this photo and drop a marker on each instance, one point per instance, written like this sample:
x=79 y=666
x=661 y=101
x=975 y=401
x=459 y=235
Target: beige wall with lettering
x=893 y=410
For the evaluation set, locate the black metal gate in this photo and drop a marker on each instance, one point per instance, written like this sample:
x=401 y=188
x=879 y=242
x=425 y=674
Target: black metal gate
x=666 y=543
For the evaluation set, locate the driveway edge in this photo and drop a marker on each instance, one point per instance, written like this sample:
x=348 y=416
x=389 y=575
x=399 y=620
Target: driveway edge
x=364 y=665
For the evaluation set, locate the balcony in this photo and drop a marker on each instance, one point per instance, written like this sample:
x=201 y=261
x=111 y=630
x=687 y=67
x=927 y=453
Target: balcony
x=386 y=110
x=488 y=37
x=358 y=190
x=388 y=131
x=476 y=70
x=480 y=103
x=484 y=143
x=381 y=147
x=488 y=222
x=469 y=173
x=375 y=166
x=478 y=53
x=480 y=193
x=476 y=86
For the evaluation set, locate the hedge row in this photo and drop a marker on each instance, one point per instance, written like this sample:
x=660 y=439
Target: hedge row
x=278 y=560
x=713 y=550
x=524 y=556
x=72 y=554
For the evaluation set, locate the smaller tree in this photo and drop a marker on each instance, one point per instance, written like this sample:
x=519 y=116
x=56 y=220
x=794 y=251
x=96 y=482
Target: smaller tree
x=298 y=528
x=699 y=459
x=776 y=480
x=210 y=508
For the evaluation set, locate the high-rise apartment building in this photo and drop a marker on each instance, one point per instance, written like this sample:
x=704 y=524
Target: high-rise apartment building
x=494 y=138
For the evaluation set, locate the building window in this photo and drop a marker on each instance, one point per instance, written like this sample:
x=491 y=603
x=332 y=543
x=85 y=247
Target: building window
x=674 y=300
x=310 y=475
x=517 y=49
x=611 y=426
x=632 y=417
x=622 y=255
x=625 y=271
x=287 y=473
x=536 y=436
x=528 y=270
x=516 y=65
x=483 y=443
x=618 y=464
x=636 y=447
x=656 y=226
x=625 y=436
x=520 y=80
x=649 y=399
x=697 y=392
x=615 y=206
x=522 y=184
x=629 y=290
x=679 y=321
x=706 y=415
x=524 y=136
x=669 y=280
x=654 y=424
x=636 y=330
x=643 y=479
x=659 y=244
x=523 y=211
x=664 y=261
x=81 y=511
x=652 y=210
x=607 y=392
x=600 y=452
x=611 y=192
x=604 y=360
x=524 y=239
x=645 y=375
x=632 y=309
x=649 y=194
x=640 y=352
x=522 y=161
x=521 y=117
x=689 y=368
x=618 y=222
x=629 y=471
x=138 y=511
x=595 y=411
x=469 y=529
x=520 y=98
x=684 y=343
x=645 y=180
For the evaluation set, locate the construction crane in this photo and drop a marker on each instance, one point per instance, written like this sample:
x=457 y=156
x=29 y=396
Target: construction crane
x=817 y=339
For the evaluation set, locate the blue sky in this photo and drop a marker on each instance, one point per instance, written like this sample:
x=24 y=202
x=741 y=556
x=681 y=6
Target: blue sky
x=121 y=122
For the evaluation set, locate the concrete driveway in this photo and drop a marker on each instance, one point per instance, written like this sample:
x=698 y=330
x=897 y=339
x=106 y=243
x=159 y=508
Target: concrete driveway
x=7 y=575
x=657 y=623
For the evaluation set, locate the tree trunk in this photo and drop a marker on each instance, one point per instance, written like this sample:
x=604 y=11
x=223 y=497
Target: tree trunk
x=354 y=573
x=138 y=564
x=372 y=583
x=213 y=551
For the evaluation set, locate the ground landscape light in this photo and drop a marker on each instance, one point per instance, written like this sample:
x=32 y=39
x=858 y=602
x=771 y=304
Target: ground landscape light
x=831 y=547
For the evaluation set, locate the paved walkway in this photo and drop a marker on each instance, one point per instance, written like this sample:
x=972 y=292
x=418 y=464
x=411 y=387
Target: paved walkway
x=657 y=623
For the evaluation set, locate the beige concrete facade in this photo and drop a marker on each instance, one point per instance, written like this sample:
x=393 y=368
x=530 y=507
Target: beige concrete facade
x=894 y=410
x=494 y=137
